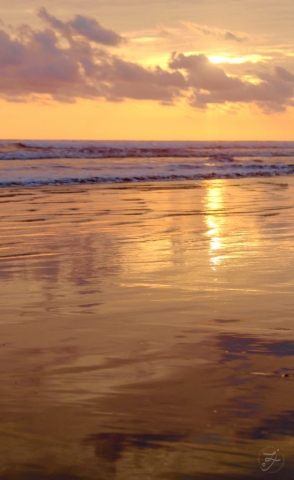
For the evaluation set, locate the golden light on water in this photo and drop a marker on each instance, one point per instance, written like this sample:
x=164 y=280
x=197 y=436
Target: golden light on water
x=215 y=244
x=213 y=204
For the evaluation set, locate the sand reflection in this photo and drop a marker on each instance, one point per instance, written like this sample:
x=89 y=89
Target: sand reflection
x=156 y=339
x=213 y=207
x=147 y=256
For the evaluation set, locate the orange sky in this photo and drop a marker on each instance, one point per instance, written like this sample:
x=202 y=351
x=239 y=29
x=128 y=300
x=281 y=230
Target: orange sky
x=176 y=70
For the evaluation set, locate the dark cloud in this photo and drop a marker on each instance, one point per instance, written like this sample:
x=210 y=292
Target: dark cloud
x=86 y=27
x=66 y=61
x=232 y=36
x=39 y=62
x=129 y=80
x=10 y=52
x=284 y=74
x=202 y=74
x=37 y=65
x=211 y=85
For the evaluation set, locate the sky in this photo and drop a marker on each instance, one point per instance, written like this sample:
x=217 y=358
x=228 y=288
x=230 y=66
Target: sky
x=138 y=70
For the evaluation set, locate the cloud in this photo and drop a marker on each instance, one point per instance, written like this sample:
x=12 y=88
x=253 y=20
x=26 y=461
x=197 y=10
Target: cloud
x=217 y=32
x=37 y=65
x=61 y=62
x=284 y=74
x=129 y=80
x=211 y=85
x=71 y=60
x=202 y=74
x=10 y=52
x=86 y=27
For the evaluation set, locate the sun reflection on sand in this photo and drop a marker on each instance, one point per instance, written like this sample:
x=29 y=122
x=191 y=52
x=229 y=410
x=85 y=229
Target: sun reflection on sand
x=213 y=204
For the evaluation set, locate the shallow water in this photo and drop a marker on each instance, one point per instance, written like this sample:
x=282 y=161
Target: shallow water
x=146 y=331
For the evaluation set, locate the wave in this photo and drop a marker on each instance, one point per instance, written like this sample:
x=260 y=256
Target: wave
x=29 y=150
x=243 y=172
x=40 y=163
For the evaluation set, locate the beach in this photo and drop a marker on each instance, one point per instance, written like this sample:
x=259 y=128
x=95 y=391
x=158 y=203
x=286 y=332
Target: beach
x=146 y=330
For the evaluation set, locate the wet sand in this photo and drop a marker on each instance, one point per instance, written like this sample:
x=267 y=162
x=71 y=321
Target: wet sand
x=146 y=331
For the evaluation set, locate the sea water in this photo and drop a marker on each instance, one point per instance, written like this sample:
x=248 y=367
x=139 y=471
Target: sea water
x=146 y=327
x=32 y=163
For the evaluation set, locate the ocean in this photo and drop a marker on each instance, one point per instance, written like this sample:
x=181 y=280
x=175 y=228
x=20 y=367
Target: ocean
x=35 y=163
x=146 y=310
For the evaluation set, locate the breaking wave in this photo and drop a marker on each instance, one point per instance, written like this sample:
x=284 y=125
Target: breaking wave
x=40 y=163
x=16 y=150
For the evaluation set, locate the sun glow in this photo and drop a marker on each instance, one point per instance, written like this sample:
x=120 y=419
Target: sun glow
x=214 y=203
x=236 y=60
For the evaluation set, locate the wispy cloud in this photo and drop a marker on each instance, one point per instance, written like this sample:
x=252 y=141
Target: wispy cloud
x=217 y=32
